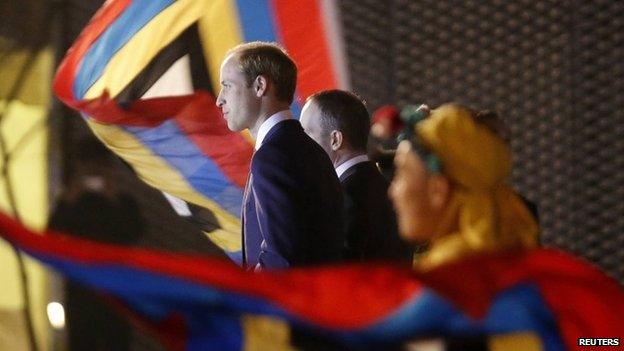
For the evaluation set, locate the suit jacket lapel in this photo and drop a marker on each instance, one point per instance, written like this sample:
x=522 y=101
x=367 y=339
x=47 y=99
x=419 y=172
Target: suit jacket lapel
x=243 y=217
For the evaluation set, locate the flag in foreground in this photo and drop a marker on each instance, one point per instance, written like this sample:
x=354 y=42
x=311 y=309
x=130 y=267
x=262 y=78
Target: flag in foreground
x=540 y=299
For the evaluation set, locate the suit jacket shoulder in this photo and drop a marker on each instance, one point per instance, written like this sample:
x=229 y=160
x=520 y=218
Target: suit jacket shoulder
x=370 y=221
x=292 y=213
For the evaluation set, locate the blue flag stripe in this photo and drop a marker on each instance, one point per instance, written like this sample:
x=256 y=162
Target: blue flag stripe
x=200 y=171
x=135 y=17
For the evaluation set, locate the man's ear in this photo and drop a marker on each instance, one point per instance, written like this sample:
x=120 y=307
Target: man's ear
x=335 y=139
x=260 y=85
x=439 y=188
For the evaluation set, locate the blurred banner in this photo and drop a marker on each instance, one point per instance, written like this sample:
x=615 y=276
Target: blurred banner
x=24 y=103
x=144 y=74
x=528 y=300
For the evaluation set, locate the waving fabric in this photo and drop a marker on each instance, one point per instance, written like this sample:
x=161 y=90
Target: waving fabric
x=541 y=298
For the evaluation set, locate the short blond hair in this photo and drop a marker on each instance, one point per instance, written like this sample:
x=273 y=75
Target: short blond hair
x=270 y=60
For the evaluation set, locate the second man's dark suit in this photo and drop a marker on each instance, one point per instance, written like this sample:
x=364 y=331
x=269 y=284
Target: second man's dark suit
x=370 y=221
x=292 y=204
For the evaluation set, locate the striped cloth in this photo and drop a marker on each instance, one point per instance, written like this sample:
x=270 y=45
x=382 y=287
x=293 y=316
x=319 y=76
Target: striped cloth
x=528 y=300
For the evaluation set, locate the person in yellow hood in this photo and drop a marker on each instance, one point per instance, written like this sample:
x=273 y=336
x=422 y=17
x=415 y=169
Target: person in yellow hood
x=450 y=190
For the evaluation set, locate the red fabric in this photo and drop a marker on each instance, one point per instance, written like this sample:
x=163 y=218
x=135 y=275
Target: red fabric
x=141 y=113
x=349 y=287
x=205 y=126
x=585 y=302
x=390 y=115
x=300 y=28
x=197 y=116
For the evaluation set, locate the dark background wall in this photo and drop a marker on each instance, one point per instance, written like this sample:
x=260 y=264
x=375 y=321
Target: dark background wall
x=553 y=69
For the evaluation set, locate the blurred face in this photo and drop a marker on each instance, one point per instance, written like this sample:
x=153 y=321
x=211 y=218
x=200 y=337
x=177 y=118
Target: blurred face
x=239 y=103
x=411 y=192
x=311 y=123
x=382 y=129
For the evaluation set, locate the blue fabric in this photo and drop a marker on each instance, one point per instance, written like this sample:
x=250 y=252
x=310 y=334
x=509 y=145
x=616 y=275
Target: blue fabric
x=169 y=142
x=236 y=256
x=212 y=315
x=200 y=302
x=515 y=310
x=257 y=20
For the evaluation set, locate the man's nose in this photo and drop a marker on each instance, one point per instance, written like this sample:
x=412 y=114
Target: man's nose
x=219 y=100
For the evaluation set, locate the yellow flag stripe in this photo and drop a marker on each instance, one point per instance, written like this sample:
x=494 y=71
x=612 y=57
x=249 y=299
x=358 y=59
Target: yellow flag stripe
x=124 y=66
x=219 y=31
x=156 y=172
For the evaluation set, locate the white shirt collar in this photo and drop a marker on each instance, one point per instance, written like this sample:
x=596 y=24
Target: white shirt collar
x=343 y=167
x=267 y=125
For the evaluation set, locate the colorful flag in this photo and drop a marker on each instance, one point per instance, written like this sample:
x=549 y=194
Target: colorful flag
x=540 y=299
x=144 y=75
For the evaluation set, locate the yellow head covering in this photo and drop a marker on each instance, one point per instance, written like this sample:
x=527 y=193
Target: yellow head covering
x=484 y=213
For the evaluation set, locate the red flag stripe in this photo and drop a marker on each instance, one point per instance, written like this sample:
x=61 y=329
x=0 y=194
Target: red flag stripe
x=300 y=28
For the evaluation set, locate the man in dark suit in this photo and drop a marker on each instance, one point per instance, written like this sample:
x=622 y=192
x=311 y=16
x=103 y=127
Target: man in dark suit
x=292 y=198
x=339 y=122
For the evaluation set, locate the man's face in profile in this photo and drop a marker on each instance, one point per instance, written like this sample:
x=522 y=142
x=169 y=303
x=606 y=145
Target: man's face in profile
x=237 y=99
